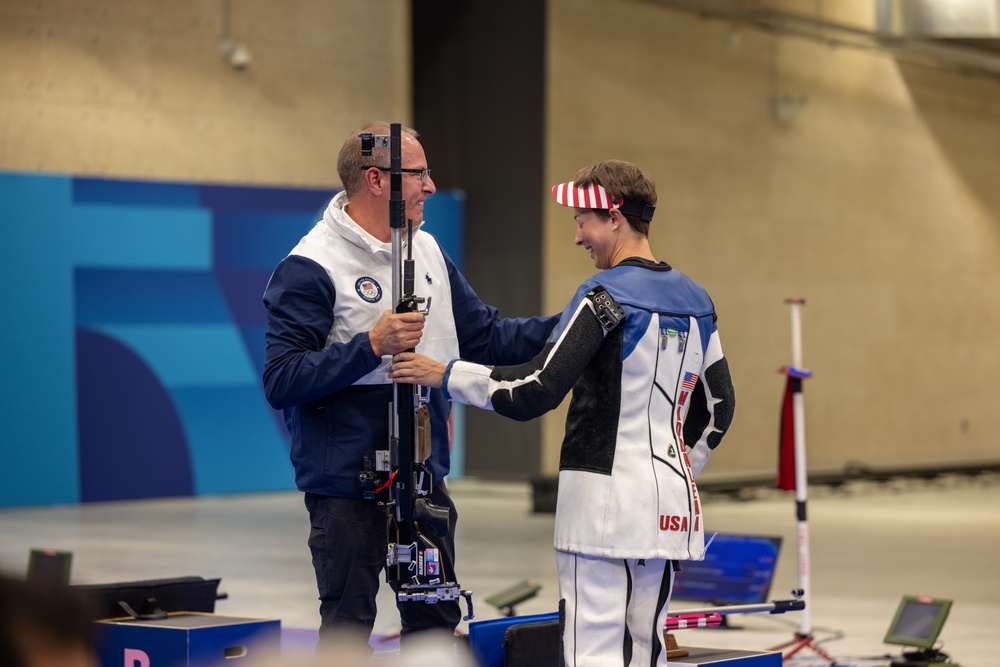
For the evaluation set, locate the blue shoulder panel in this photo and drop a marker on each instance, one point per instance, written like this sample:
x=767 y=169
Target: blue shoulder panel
x=644 y=291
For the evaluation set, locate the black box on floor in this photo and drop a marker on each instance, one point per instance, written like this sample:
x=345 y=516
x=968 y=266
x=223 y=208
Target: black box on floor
x=532 y=644
x=544 y=491
x=153 y=597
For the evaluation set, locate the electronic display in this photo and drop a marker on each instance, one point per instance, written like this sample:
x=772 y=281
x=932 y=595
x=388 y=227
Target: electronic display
x=738 y=569
x=49 y=566
x=918 y=621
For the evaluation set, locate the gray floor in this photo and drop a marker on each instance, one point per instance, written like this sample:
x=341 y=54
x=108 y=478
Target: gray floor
x=869 y=546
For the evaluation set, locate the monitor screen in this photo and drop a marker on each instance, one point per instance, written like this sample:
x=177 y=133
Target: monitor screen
x=918 y=621
x=738 y=569
x=49 y=566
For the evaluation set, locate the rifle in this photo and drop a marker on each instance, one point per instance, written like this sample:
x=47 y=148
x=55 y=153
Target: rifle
x=412 y=560
x=711 y=617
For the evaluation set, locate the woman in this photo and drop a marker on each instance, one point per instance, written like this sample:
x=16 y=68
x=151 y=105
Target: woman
x=652 y=397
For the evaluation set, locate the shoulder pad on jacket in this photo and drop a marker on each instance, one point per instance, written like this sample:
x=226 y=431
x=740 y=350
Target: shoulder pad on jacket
x=608 y=311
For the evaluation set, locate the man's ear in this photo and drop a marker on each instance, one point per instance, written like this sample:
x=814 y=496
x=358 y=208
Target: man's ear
x=374 y=181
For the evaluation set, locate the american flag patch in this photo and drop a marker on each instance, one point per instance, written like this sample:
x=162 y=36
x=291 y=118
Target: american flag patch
x=689 y=381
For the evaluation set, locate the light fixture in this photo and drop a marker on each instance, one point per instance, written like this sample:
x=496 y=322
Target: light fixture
x=235 y=52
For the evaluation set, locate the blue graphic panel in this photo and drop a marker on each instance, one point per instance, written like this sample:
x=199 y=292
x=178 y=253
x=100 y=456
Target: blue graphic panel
x=105 y=191
x=38 y=458
x=132 y=443
x=135 y=334
x=139 y=237
x=444 y=217
x=226 y=429
x=131 y=296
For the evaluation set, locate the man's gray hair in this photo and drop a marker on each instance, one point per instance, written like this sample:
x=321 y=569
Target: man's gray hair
x=350 y=163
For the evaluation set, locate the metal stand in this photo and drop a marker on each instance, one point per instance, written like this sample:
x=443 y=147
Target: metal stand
x=803 y=638
x=800 y=642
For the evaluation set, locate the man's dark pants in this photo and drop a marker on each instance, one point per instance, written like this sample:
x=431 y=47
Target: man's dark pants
x=349 y=542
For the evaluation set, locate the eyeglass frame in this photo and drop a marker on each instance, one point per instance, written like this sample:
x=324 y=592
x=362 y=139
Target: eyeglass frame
x=422 y=174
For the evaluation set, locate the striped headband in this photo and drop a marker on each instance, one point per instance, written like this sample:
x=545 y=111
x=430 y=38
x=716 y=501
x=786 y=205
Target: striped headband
x=595 y=196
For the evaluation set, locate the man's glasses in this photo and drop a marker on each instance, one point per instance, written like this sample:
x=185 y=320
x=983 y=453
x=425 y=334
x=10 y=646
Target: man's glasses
x=422 y=174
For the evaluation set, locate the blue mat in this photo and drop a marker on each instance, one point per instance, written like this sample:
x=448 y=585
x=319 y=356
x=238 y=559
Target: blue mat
x=486 y=637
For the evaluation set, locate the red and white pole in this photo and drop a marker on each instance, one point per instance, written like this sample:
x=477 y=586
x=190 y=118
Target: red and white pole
x=797 y=372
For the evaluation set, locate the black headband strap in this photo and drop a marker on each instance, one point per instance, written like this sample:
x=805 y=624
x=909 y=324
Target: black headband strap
x=638 y=209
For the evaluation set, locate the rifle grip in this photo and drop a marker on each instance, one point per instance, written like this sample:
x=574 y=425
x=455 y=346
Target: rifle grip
x=431 y=515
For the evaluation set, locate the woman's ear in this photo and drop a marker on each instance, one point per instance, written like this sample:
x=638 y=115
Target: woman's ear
x=616 y=218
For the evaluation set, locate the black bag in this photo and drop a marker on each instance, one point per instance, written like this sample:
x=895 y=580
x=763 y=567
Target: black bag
x=533 y=645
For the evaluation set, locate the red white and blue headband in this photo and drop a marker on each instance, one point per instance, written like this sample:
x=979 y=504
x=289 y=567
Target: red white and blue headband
x=595 y=196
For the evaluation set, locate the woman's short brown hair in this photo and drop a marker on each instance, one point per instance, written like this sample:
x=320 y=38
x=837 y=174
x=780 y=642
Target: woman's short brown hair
x=621 y=179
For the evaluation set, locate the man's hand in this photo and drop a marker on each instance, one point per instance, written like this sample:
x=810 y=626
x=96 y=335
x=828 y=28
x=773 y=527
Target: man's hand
x=395 y=332
x=413 y=368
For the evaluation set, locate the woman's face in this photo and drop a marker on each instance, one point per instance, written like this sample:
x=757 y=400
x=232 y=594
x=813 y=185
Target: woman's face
x=596 y=236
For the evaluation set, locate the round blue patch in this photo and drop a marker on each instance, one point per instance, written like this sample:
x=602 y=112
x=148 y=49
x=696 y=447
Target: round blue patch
x=368 y=289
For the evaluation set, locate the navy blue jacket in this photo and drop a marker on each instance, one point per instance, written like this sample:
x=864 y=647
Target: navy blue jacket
x=334 y=421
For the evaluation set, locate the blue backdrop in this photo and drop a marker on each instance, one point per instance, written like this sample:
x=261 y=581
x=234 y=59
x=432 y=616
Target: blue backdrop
x=133 y=335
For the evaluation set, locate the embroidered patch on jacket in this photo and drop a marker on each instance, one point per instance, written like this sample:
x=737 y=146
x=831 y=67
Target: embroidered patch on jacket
x=368 y=289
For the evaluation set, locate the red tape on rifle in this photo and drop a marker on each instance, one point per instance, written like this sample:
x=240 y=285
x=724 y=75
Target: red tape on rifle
x=387 y=482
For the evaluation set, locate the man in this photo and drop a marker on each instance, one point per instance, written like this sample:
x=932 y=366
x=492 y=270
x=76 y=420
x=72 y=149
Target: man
x=330 y=339
x=652 y=397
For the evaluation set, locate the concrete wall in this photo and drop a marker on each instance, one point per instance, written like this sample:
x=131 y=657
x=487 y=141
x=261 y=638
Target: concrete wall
x=138 y=88
x=878 y=204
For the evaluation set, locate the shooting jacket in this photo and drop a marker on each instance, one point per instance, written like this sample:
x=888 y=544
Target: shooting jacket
x=319 y=367
x=652 y=397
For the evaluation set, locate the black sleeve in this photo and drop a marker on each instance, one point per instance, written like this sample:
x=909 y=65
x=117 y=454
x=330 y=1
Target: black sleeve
x=530 y=390
x=713 y=403
x=525 y=391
